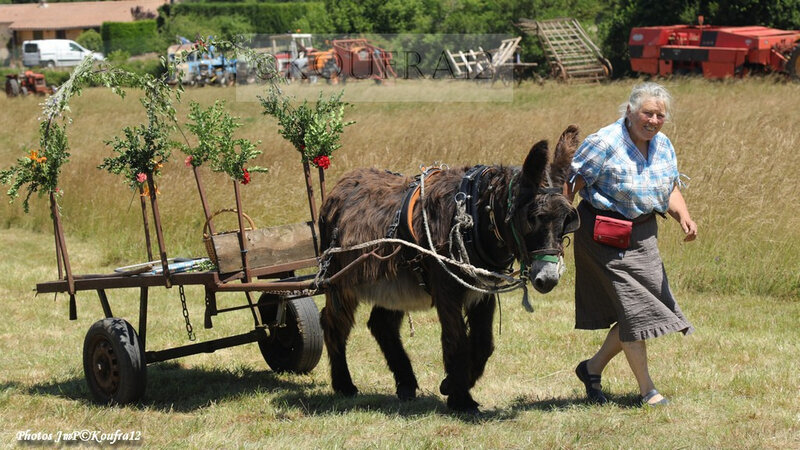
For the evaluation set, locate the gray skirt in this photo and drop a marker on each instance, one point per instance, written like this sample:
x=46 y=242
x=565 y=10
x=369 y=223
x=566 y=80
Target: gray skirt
x=628 y=287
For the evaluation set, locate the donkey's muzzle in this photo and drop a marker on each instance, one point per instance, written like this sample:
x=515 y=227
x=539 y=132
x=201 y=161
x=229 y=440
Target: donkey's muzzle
x=544 y=275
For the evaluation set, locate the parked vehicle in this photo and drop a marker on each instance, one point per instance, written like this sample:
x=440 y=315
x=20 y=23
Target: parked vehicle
x=210 y=67
x=359 y=59
x=714 y=51
x=55 y=53
x=28 y=83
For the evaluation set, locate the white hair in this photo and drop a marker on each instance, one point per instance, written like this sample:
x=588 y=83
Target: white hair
x=645 y=91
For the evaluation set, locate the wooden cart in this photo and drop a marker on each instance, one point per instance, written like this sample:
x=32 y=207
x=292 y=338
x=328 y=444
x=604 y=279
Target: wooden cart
x=250 y=261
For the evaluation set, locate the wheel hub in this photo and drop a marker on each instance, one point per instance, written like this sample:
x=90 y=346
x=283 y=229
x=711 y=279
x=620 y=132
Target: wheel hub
x=105 y=367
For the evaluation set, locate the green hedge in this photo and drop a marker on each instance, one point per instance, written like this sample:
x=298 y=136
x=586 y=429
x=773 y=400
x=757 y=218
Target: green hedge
x=265 y=17
x=133 y=37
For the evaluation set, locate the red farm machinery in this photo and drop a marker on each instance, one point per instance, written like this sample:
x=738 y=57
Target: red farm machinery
x=714 y=51
x=28 y=83
x=359 y=59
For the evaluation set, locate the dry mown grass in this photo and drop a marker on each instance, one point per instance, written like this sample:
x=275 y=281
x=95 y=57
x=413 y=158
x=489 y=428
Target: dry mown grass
x=733 y=383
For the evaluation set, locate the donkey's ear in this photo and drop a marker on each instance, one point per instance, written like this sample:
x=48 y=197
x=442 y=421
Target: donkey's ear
x=535 y=164
x=565 y=150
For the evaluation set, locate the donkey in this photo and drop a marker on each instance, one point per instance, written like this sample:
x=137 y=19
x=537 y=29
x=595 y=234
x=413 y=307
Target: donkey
x=519 y=213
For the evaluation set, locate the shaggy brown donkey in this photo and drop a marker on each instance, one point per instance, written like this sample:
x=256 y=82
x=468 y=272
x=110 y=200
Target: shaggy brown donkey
x=518 y=214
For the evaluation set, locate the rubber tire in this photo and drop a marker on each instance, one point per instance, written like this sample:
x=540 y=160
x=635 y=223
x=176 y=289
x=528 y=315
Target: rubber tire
x=12 y=87
x=297 y=346
x=114 y=362
x=793 y=66
x=50 y=64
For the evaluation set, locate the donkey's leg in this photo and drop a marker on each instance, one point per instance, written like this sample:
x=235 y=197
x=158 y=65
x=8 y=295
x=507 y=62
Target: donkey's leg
x=385 y=327
x=479 y=320
x=455 y=350
x=337 y=319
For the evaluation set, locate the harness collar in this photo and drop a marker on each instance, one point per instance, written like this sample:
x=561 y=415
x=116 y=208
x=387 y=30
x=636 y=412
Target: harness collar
x=485 y=254
x=403 y=224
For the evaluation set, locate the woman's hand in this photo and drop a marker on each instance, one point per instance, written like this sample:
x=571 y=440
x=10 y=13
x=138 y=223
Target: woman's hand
x=689 y=228
x=678 y=210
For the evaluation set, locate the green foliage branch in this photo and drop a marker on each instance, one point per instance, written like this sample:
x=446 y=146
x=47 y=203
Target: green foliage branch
x=40 y=169
x=314 y=131
x=214 y=128
x=145 y=148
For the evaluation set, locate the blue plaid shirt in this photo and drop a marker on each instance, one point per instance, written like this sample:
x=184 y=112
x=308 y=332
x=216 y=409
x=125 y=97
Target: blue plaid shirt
x=618 y=178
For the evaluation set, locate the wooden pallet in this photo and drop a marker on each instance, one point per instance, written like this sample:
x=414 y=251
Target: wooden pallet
x=480 y=63
x=572 y=56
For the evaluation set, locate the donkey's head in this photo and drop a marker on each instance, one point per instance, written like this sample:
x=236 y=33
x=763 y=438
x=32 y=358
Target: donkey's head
x=540 y=215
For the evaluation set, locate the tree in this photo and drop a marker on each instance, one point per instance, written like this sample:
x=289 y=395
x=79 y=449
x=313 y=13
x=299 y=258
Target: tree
x=90 y=39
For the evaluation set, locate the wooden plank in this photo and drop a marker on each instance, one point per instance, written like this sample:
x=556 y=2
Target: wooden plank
x=453 y=61
x=478 y=66
x=266 y=246
x=466 y=63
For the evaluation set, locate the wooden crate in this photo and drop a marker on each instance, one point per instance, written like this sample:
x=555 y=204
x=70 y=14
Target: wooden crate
x=265 y=246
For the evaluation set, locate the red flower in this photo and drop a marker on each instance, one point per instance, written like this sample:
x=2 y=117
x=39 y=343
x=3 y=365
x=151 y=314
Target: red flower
x=322 y=161
x=245 y=176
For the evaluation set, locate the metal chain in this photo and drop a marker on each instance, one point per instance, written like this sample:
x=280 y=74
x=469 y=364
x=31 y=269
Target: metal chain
x=189 y=331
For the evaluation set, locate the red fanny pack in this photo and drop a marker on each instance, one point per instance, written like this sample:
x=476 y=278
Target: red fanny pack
x=613 y=232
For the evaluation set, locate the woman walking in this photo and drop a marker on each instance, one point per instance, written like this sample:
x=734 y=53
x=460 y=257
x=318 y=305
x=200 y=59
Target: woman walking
x=626 y=173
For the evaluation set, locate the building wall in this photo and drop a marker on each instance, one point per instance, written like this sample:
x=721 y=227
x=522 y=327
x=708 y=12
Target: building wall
x=27 y=35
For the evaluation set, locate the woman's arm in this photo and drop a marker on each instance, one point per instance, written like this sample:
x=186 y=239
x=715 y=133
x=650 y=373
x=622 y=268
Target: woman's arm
x=680 y=212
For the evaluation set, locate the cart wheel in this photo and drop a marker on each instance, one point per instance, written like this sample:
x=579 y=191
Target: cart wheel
x=113 y=362
x=297 y=346
x=793 y=66
x=607 y=68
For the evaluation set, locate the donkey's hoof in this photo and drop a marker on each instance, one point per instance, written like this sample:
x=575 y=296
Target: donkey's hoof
x=444 y=387
x=406 y=393
x=347 y=391
x=463 y=403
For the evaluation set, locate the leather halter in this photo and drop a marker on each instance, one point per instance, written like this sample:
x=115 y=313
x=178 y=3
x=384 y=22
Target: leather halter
x=551 y=255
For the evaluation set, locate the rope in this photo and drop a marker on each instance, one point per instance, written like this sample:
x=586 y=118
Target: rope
x=479 y=272
x=463 y=222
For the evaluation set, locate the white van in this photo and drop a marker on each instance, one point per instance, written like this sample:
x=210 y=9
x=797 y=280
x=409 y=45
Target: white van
x=55 y=53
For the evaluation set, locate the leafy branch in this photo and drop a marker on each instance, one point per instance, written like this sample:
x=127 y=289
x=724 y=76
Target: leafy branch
x=315 y=131
x=40 y=169
x=214 y=128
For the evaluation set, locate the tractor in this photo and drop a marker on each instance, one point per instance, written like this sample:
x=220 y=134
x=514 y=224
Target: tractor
x=29 y=82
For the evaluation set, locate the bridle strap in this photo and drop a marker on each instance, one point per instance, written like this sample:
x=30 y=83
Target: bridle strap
x=547 y=255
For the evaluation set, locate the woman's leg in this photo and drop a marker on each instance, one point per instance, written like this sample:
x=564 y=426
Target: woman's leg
x=636 y=354
x=610 y=348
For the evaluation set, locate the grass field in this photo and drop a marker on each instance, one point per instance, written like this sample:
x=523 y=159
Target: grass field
x=733 y=383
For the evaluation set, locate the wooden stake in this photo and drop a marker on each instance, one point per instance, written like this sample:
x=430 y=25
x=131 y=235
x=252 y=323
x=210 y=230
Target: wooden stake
x=159 y=233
